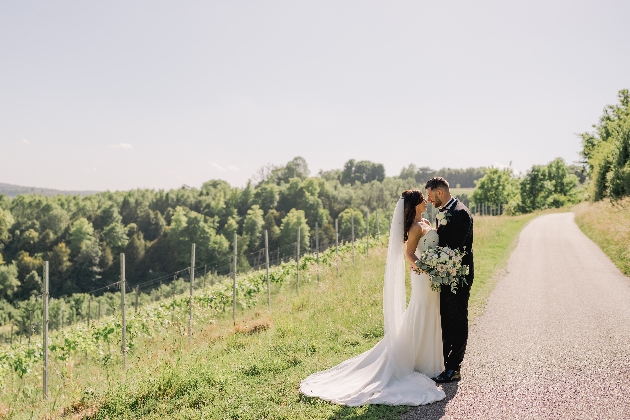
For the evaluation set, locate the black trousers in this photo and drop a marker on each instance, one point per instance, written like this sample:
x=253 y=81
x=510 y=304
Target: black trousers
x=454 y=316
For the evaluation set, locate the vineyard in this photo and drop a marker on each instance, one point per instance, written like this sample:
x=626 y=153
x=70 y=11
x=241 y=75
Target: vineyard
x=98 y=343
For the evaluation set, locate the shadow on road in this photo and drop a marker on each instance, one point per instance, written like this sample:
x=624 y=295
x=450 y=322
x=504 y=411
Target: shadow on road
x=432 y=411
x=435 y=410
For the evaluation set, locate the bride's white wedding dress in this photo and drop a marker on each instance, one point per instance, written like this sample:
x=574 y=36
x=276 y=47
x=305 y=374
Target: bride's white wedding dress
x=397 y=370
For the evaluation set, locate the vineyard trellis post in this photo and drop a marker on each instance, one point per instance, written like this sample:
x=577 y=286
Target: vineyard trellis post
x=297 y=262
x=378 y=231
x=317 y=248
x=123 y=304
x=45 y=332
x=234 y=281
x=337 y=245
x=192 y=285
x=137 y=296
x=99 y=310
x=352 y=232
x=267 y=265
x=30 y=327
x=367 y=235
x=89 y=312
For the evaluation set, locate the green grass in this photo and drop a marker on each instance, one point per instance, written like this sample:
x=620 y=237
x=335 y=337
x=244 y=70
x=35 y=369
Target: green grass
x=252 y=370
x=608 y=225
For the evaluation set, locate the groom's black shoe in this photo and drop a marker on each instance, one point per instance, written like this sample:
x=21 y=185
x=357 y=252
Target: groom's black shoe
x=449 y=375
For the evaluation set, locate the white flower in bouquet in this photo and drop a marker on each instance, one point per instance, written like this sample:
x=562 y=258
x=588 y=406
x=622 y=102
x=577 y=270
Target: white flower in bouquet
x=444 y=267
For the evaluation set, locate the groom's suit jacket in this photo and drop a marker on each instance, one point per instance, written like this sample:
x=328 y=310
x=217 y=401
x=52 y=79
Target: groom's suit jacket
x=457 y=233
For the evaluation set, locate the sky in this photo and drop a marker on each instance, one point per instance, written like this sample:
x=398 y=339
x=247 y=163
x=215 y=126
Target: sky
x=150 y=94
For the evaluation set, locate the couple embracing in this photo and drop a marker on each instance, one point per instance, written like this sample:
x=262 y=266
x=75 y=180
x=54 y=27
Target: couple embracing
x=425 y=341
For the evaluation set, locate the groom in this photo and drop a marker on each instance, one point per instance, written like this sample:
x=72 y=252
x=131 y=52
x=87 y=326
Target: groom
x=455 y=228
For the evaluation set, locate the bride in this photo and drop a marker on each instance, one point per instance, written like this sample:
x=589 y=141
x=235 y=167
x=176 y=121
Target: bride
x=397 y=370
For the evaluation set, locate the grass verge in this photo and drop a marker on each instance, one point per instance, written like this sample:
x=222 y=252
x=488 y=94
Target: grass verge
x=608 y=225
x=252 y=370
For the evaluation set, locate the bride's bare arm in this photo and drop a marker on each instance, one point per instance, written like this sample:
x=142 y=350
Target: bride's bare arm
x=415 y=233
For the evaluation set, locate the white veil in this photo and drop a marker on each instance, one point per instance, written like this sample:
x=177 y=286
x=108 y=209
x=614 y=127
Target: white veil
x=394 y=294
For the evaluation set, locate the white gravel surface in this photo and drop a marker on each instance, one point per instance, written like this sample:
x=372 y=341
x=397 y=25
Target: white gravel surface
x=554 y=339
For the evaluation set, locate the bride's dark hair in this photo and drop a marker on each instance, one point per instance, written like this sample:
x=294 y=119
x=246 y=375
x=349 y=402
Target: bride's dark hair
x=412 y=199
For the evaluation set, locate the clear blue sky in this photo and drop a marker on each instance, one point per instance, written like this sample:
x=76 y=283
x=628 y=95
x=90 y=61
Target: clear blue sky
x=120 y=95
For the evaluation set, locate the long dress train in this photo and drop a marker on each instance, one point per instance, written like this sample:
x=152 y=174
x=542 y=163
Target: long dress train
x=397 y=370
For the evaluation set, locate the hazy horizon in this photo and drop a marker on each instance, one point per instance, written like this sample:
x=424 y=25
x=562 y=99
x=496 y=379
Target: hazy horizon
x=119 y=95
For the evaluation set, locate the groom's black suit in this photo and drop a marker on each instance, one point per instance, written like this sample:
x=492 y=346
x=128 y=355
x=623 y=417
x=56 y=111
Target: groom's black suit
x=457 y=233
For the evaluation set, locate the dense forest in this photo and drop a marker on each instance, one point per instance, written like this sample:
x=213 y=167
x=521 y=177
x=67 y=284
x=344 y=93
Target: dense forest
x=83 y=236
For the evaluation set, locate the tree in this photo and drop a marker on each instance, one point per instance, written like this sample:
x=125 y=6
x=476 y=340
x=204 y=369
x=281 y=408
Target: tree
x=115 y=236
x=266 y=196
x=563 y=184
x=54 y=219
x=32 y=285
x=60 y=268
x=152 y=224
x=6 y=221
x=288 y=230
x=497 y=186
x=9 y=282
x=188 y=228
x=108 y=215
x=606 y=151
x=80 y=231
x=26 y=263
x=362 y=171
x=296 y=168
x=252 y=227
x=409 y=172
x=87 y=268
x=535 y=189
x=345 y=224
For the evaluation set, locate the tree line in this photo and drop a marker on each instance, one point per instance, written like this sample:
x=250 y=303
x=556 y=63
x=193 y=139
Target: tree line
x=83 y=236
x=603 y=172
x=606 y=151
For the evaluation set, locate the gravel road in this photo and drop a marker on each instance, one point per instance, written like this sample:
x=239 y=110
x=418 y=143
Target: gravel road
x=554 y=339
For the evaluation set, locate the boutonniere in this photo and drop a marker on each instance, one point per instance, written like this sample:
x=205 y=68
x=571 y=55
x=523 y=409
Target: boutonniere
x=443 y=217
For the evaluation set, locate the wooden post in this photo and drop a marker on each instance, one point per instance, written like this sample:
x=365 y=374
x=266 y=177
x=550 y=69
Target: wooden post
x=337 y=244
x=45 y=332
x=367 y=234
x=234 y=281
x=123 y=304
x=137 y=296
x=352 y=229
x=99 y=310
x=267 y=265
x=378 y=231
x=317 y=247
x=192 y=285
x=89 y=314
x=30 y=327
x=297 y=262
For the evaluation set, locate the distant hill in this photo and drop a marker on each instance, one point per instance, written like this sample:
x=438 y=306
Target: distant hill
x=14 y=190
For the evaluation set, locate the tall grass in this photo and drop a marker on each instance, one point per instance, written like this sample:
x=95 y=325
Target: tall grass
x=251 y=370
x=608 y=225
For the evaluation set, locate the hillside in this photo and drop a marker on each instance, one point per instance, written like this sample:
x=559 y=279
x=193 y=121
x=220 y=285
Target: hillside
x=11 y=191
x=250 y=370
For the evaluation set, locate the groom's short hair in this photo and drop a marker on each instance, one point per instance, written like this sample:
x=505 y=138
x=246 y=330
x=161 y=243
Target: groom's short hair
x=437 y=182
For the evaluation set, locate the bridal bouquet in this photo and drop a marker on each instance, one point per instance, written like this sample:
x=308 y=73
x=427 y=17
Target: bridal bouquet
x=443 y=266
